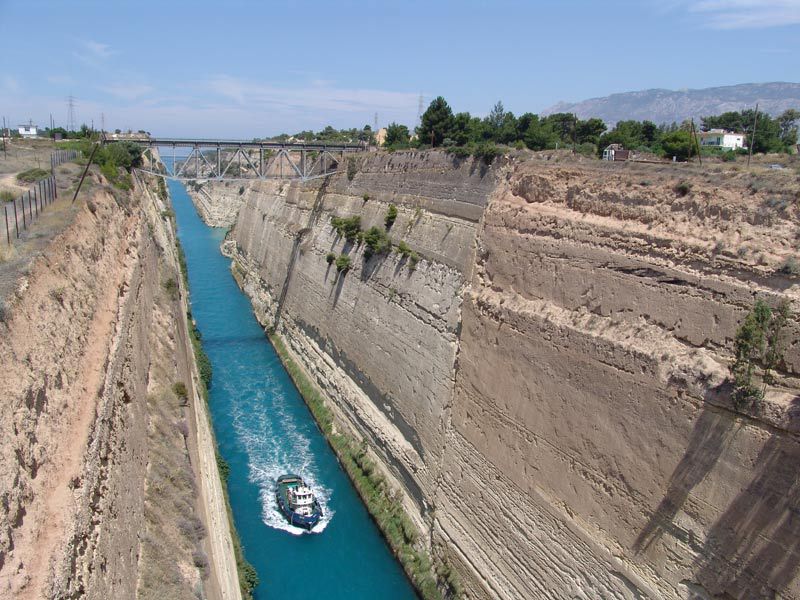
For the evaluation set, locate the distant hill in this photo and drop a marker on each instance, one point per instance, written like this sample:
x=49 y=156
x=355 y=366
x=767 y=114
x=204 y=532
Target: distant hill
x=666 y=106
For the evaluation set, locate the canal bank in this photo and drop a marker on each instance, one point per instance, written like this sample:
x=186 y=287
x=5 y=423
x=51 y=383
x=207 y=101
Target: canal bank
x=264 y=429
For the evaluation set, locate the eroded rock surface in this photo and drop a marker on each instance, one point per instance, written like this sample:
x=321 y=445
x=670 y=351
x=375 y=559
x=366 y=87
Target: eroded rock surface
x=546 y=384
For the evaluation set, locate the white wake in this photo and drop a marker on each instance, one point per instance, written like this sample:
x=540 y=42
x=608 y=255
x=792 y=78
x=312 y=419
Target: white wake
x=274 y=447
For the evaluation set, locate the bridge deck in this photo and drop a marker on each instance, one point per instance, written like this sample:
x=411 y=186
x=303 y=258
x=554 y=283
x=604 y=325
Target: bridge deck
x=220 y=143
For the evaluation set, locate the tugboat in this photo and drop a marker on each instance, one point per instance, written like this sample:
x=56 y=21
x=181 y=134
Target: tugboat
x=297 y=502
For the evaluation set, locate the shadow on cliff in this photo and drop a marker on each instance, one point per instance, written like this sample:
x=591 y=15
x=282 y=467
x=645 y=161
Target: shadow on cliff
x=712 y=433
x=753 y=550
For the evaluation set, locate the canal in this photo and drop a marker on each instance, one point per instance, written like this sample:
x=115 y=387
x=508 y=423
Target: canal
x=264 y=429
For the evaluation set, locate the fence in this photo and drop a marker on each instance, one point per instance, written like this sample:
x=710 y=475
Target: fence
x=20 y=213
x=62 y=156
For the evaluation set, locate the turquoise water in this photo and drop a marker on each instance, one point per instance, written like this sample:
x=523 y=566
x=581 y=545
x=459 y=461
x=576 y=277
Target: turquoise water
x=264 y=429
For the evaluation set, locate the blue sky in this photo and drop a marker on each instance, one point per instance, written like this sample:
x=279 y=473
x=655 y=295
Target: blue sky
x=246 y=69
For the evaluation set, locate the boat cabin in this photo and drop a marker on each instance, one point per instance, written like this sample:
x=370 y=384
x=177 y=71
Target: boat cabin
x=301 y=500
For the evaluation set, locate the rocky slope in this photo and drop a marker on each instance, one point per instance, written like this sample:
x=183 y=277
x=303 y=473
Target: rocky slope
x=545 y=384
x=99 y=494
x=667 y=106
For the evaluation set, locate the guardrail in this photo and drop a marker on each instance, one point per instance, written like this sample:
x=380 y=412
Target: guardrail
x=23 y=211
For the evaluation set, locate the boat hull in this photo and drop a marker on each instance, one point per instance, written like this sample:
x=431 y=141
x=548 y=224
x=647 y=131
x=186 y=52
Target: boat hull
x=294 y=518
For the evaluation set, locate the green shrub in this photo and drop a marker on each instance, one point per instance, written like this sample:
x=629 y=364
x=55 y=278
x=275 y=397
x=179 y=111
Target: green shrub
x=32 y=175
x=377 y=242
x=347 y=227
x=343 y=263
x=460 y=151
x=682 y=188
x=403 y=248
x=757 y=342
x=330 y=257
x=171 y=287
x=487 y=152
x=413 y=259
x=790 y=267
x=365 y=197
x=179 y=389
x=391 y=216
x=352 y=168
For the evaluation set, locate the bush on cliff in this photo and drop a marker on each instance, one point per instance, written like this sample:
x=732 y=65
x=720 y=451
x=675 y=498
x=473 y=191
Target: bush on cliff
x=343 y=263
x=391 y=216
x=758 y=342
x=377 y=242
x=347 y=227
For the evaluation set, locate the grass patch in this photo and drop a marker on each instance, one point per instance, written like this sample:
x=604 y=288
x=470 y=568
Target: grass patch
x=32 y=175
x=7 y=195
x=382 y=503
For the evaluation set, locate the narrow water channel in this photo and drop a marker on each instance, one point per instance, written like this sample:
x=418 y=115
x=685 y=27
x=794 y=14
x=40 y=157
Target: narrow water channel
x=264 y=429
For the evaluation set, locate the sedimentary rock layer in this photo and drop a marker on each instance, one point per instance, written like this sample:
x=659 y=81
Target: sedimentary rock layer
x=96 y=470
x=548 y=385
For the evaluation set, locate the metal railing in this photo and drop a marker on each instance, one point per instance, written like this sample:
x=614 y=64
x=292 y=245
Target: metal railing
x=23 y=211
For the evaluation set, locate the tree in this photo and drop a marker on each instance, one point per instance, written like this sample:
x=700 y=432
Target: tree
x=436 y=123
x=540 y=135
x=677 y=144
x=396 y=134
x=563 y=125
x=589 y=130
x=788 y=125
x=758 y=341
x=749 y=346
x=463 y=131
x=124 y=154
x=495 y=118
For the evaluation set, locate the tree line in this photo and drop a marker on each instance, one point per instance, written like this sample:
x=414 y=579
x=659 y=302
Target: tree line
x=440 y=127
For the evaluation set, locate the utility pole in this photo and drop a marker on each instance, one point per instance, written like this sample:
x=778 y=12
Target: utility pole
x=694 y=138
x=753 y=137
x=4 y=138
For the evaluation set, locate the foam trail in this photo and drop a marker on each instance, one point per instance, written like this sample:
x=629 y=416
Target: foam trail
x=275 y=446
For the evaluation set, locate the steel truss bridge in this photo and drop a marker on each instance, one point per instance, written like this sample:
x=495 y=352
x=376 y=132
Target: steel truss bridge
x=240 y=160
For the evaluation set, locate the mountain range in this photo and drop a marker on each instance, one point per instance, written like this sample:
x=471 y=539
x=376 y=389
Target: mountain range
x=666 y=106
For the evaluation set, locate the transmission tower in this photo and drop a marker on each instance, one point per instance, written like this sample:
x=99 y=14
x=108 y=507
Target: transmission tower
x=420 y=106
x=102 y=122
x=375 y=127
x=71 y=112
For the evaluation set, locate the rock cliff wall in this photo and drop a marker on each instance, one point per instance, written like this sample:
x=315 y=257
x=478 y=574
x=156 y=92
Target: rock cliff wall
x=547 y=383
x=99 y=496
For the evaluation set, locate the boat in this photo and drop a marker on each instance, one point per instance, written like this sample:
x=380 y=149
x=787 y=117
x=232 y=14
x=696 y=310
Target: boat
x=297 y=502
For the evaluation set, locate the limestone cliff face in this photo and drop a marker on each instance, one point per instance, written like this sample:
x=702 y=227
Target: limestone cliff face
x=97 y=491
x=381 y=339
x=547 y=383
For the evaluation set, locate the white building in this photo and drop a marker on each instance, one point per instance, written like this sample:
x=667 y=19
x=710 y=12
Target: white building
x=719 y=138
x=29 y=130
